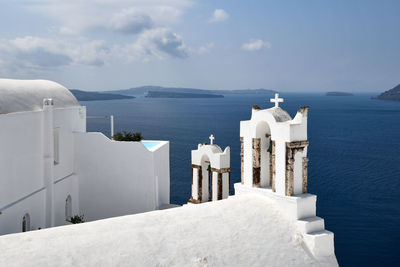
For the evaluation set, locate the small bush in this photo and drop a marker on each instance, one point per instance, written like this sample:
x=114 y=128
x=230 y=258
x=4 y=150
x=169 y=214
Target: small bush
x=128 y=136
x=256 y=107
x=77 y=219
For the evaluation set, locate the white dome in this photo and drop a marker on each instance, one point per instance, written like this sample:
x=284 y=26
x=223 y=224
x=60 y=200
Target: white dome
x=279 y=114
x=28 y=95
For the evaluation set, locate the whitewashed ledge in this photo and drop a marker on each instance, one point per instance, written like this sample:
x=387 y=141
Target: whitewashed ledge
x=246 y=230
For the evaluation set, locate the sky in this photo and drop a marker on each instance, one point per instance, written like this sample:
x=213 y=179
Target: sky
x=285 y=45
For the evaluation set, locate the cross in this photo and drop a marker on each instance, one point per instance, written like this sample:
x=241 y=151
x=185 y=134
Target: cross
x=211 y=139
x=276 y=100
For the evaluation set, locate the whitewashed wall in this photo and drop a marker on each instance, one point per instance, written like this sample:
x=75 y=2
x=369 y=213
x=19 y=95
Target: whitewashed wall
x=119 y=178
x=20 y=155
x=22 y=188
x=104 y=178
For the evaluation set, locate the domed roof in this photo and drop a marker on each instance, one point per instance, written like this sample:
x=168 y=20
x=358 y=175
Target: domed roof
x=279 y=114
x=28 y=95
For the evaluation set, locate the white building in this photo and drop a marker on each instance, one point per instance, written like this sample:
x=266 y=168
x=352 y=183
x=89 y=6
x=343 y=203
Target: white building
x=274 y=164
x=52 y=169
x=270 y=221
x=211 y=172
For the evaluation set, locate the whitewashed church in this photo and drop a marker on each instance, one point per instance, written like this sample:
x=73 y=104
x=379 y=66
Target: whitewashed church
x=51 y=168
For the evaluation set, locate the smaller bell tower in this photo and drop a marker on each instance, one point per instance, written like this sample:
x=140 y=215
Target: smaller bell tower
x=210 y=173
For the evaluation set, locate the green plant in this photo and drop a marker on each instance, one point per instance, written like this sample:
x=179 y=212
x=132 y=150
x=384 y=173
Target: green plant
x=128 y=136
x=256 y=107
x=77 y=219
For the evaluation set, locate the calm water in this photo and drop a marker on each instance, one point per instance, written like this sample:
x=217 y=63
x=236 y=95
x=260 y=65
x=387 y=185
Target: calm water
x=354 y=157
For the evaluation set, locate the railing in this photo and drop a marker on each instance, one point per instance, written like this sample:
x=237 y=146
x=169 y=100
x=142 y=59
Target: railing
x=111 y=117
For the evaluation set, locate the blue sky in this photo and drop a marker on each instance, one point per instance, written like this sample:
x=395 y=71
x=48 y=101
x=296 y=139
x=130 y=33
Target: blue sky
x=286 y=45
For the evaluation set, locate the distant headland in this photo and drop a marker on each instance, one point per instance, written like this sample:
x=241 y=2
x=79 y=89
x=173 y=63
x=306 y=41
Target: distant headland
x=144 y=90
x=93 y=96
x=164 y=94
x=392 y=94
x=339 y=94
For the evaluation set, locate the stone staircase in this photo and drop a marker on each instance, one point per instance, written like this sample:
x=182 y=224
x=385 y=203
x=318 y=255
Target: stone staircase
x=302 y=209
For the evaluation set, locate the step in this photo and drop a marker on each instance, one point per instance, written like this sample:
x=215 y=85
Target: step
x=311 y=224
x=320 y=243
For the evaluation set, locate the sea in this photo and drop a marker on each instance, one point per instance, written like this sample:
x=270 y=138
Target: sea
x=354 y=153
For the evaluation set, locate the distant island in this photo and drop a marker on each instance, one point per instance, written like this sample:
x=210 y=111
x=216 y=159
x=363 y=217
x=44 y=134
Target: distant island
x=339 y=94
x=93 y=96
x=164 y=94
x=392 y=94
x=144 y=90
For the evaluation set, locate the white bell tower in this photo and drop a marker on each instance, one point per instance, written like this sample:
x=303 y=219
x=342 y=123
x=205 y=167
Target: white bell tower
x=274 y=164
x=274 y=150
x=211 y=172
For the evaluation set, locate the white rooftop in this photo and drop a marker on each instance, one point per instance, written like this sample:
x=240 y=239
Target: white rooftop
x=28 y=95
x=245 y=230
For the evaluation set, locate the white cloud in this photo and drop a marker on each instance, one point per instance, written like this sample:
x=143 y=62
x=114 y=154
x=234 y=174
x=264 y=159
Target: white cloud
x=205 y=48
x=131 y=21
x=219 y=15
x=76 y=16
x=255 y=45
x=34 y=53
x=158 y=43
x=149 y=21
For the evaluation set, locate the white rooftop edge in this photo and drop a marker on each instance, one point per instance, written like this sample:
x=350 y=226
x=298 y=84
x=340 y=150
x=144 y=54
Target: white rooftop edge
x=28 y=95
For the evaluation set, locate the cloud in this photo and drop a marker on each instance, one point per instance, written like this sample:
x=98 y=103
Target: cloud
x=204 y=48
x=125 y=16
x=159 y=43
x=31 y=53
x=148 y=21
x=131 y=21
x=35 y=53
x=219 y=15
x=255 y=45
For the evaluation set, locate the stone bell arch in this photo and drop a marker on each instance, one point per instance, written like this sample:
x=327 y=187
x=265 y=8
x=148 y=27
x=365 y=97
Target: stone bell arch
x=210 y=173
x=274 y=164
x=274 y=150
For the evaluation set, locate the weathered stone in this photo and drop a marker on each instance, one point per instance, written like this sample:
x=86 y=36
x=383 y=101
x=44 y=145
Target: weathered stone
x=229 y=183
x=272 y=168
x=305 y=174
x=219 y=186
x=200 y=181
x=289 y=181
x=297 y=144
x=304 y=110
x=195 y=166
x=210 y=182
x=256 y=161
x=223 y=170
x=291 y=149
x=194 y=201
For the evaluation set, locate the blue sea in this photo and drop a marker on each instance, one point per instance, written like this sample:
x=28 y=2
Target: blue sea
x=354 y=153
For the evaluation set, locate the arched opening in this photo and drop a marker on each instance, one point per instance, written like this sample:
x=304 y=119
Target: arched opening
x=262 y=156
x=68 y=208
x=206 y=184
x=26 y=223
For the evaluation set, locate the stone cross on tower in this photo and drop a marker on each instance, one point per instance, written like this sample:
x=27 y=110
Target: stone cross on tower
x=212 y=139
x=276 y=100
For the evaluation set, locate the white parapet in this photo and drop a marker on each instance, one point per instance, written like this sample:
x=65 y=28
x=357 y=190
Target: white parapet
x=296 y=207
